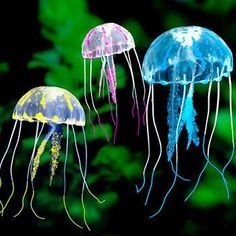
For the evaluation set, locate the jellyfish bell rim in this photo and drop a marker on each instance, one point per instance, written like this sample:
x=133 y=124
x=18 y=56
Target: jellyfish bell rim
x=88 y=56
x=73 y=107
x=47 y=120
x=93 y=54
x=185 y=82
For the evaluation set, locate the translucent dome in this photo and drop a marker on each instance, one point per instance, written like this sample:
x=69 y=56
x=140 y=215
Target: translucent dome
x=49 y=105
x=106 y=40
x=185 y=55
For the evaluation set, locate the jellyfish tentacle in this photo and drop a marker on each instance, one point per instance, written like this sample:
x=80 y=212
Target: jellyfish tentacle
x=111 y=77
x=132 y=93
x=37 y=135
x=9 y=144
x=64 y=180
x=143 y=83
x=178 y=175
x=160 y=147
x=83 y=174
x=85 y=98
x=93 y=104
x=1 y=204
x=174 y=101
x=188 y=118
x=51 y=132
x=206 y=155
x=101 y=83
x=112 y=84
x=11 y=167
x=231 y=125
x=212 y=133
x=5 y=154
x=40 y=150
x=138 y=189
x=84 y=181
x=116 y=125
x=32 y=208
x=110 y=103
x=104 y=82
x=176 y=155
x=114 y=120
x=134 y=89
x=55 y=151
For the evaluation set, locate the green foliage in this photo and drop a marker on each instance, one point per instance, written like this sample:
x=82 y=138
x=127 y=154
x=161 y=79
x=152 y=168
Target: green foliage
x=4 y=67
x=117 y=162
x=213 y=6
x=174 y=19
x=205 y=196
x=141 y=38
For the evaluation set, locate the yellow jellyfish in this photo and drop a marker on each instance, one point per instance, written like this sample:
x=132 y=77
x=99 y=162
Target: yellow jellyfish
x=52 y=106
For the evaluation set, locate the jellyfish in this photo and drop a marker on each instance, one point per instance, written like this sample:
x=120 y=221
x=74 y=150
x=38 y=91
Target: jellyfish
x=181 y=58
x=54 y=107
x=104 y=41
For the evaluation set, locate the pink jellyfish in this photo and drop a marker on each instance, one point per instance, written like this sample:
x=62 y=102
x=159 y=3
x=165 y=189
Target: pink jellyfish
x=104 y=41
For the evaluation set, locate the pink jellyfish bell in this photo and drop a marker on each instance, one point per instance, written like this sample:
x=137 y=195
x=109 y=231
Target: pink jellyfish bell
x=104 y=41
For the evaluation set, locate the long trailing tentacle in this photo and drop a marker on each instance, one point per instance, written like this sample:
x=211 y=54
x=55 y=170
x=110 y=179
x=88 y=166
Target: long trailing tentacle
x=231 y=125
x=37 y=135
x=64 y=179
x=2 y=208
x=160 y=146
x=11 y=167
x=116 y=125
x=178 y=175
x=101 y=82
x=83 y=174
x=85 y=98
x=40 y=151
x=84 y=184
x=127 y=57
x=4 y=156
x=9 y=144
x=111 y=77
x=143 y=83
x=112 y=90
x=34 y=166
x=176 y=156
x=114 y=120
x=93 y=104
x=206 y=155
x=110 y=104
x=138 y=189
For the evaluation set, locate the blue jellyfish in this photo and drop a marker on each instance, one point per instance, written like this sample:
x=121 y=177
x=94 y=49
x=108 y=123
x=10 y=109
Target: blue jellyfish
x=181 y=58
x=55 y=107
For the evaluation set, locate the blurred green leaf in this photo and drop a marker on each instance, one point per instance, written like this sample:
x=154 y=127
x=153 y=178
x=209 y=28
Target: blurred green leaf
x=205 y=195
x=223 y=129
x=212 y=6
x=173 y=19
x=4 y=67
x=117 y=162
x=142 y=40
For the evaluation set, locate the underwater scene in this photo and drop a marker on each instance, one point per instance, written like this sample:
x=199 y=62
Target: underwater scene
x=117 y=118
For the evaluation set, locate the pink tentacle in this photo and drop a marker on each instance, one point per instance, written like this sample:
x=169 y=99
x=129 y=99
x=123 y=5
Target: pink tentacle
x=104 y=131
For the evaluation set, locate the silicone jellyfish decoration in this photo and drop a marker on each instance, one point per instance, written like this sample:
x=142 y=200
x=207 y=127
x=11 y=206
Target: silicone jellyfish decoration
x=55 y=107
x=181 y=58
x=105 y=41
